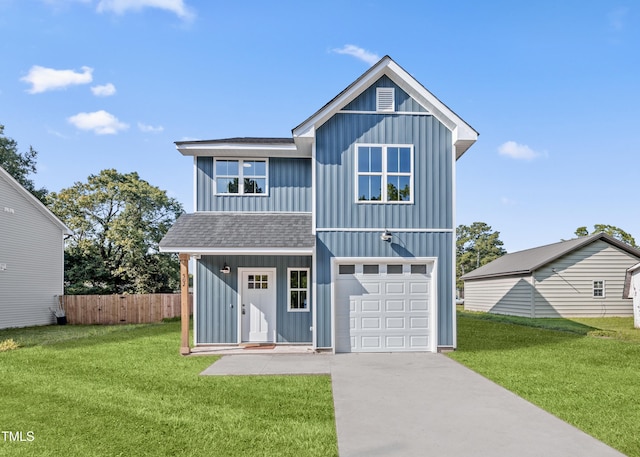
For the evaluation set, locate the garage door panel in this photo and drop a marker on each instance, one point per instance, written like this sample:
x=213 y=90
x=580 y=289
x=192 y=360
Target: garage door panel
x=395 y=323
x=395 y=288
x=385 y=312
x=394 y=305
x=369 y=306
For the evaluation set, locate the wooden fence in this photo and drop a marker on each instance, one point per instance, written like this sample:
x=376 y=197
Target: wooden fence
x=121 y=309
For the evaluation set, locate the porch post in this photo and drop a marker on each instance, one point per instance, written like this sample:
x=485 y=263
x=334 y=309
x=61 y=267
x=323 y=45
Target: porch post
x=184 y=303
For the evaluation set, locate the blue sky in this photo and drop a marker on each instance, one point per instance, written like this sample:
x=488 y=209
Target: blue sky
x=552 y=87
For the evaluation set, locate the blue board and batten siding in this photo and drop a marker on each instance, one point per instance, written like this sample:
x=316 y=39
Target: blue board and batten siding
x=217 y=299
x=432 y=207
x=289 y=188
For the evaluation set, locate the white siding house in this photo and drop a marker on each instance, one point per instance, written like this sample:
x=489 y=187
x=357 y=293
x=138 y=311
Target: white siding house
x=632 y=291
x=31 y=257
x=584 y=277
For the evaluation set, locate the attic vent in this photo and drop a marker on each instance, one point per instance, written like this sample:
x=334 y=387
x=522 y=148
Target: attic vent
x=385 y=99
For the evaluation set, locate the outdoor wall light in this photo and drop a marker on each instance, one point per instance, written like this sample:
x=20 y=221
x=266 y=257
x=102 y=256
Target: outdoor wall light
x=386 y=235
x=226 y=269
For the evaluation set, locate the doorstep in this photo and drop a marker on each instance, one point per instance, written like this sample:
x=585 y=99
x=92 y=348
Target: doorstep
x=253 y=348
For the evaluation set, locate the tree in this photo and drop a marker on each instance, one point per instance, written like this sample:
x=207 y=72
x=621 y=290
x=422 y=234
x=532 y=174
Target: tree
x=118 y=221
x=18 y=165
x=612 y=230
x=476 y=245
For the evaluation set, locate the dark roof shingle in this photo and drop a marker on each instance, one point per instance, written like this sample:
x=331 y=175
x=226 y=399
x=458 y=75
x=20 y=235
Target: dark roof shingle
x=210 y=230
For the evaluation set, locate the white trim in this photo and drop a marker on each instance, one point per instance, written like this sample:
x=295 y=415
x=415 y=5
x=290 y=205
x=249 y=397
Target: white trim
x=34 y=201
x=454 y=251
x=433 y=298
x=195 y=300
x=308 y=290
x=241 y=192
x=240 y=288
x=215 y=149
x=195 y=184
x=314 y=302
x=313 y=188
x=381 y=229
x=384 y=174
x=463 y=135
x=593 y=289
x=406 y=113
x=238 y=251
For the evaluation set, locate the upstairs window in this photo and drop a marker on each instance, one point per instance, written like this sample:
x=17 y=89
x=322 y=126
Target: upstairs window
x=384 y=173
x=241 y=177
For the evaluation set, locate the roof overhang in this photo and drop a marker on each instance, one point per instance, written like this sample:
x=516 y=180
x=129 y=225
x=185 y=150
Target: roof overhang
x=241 y=148
x=196 y=251
x=463 y=134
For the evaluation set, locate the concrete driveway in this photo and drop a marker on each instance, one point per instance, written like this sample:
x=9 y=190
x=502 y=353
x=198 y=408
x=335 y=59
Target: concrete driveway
x=419 y=404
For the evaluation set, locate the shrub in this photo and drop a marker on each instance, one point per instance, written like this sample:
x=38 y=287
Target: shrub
x=8 y=345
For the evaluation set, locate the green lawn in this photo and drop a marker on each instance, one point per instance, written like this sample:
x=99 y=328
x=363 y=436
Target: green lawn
x=585 y=371
x=125 y=391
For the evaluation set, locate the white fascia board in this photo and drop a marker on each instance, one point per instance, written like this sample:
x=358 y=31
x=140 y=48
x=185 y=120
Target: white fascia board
x=239 y=251
x=241 y=150
x=463 y=134
x=308 y=127
x=35 y=202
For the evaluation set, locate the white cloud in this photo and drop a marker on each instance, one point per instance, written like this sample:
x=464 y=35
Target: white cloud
x=358 y=53
x=150 y=128
x=122 y=6
x=518 y=151
x=106 y=90
x=43 y=79
x=100 y=122
x=617 y=18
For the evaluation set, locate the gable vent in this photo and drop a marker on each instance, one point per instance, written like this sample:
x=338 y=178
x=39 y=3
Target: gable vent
x=385 y=99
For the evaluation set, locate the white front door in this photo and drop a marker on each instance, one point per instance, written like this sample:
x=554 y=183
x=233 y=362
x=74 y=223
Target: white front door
x=258 y=305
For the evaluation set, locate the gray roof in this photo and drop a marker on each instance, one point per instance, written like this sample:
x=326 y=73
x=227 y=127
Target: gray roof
x=527 y=261
x=202 y=231
x=241 y=140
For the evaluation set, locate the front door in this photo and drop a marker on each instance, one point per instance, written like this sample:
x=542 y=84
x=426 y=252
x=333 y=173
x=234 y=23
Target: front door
x=258 y=305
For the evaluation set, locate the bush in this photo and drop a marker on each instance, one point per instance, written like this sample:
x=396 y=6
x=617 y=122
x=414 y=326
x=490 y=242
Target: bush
x=8 y=345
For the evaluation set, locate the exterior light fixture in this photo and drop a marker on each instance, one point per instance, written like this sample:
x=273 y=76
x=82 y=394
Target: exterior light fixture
x=386 y=235
x=226 y=269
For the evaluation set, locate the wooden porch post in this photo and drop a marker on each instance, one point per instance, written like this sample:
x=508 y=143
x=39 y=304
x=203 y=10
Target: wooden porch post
x=184 y=303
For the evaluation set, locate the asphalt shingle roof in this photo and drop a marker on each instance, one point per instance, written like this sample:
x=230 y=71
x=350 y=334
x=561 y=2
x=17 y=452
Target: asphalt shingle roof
x=239 y=230
x=529 y=260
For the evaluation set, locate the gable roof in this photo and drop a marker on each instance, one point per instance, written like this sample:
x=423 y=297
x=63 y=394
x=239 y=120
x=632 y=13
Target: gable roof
x=527 y=261
x=463 y=134
x=235 y=233
x=34 y=201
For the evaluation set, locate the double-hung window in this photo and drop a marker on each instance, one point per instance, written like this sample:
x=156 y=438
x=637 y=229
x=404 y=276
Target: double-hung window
x=384 y=173
x=241 y=177
x=298 y=289
x=598 y=289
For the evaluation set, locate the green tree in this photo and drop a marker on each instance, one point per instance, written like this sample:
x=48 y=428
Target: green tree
x=612 y=230
x=476 y=245
x=19 y=165
x=118 y=221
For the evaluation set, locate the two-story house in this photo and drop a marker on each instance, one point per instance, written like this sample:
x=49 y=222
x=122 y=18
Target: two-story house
x=342 y=236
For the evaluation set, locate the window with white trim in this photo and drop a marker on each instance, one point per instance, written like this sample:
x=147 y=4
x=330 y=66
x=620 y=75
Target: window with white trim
x=598 y=289
x=384 y=173
x=298 y=289
x=241 y=177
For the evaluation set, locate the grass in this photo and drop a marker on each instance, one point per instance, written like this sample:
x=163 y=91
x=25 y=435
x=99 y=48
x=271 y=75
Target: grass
x=124 y=390
x=564 y=366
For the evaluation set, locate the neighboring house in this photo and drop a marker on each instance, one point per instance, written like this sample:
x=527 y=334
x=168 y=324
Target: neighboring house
x=583 y=277
x=31 y=257
x=342 y=236
x=632 y=291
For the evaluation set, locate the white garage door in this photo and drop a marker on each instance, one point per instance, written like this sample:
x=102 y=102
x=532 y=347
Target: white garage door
x=383 y=307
